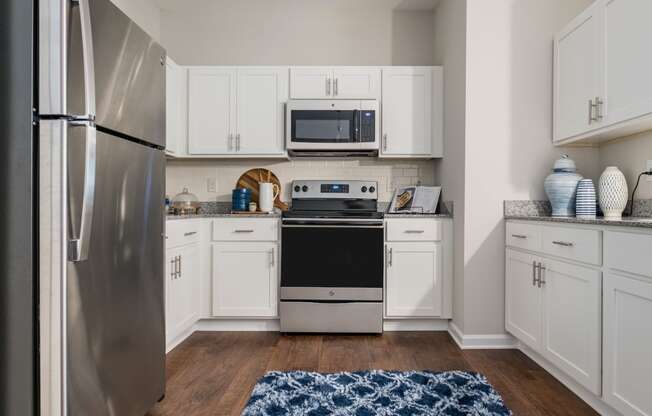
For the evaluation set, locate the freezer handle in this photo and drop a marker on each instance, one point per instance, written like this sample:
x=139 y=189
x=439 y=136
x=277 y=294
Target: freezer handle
x=88 y=60
x=78 y=245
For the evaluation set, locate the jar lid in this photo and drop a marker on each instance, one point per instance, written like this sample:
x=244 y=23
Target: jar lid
x=185 y=196
x=564 y=164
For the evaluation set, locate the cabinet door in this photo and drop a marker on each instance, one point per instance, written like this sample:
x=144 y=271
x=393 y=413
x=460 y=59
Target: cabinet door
x=578 y=75
x=413 y=279
x=211 y=110
x=358 y=83
x=628 y=63
x=523 y=299
x=572 y=334
x=172 y=300
x=628 y=344
x=188 y=282
x=172 y=106
x=262 y=93
x=311 y=82
x=245 y=279
x=407 y=112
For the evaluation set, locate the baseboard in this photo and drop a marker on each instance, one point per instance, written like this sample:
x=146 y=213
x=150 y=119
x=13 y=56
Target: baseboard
x=179 y=339
x=589 y=398
x=481 y=342
x=238 y=325
x=390 y=325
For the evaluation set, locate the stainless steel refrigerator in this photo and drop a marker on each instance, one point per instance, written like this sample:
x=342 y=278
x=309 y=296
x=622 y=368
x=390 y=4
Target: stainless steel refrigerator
x=101 y=118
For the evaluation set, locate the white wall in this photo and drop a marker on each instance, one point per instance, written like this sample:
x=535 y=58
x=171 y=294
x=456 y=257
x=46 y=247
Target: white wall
x=296 y=32
x=508 y=136
x=145 y=13
x=450 y=51
x=630 y=154
x=389 y=174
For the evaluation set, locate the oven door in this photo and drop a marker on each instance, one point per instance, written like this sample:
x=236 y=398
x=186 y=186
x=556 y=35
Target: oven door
x=331 y=125
x=332 y=262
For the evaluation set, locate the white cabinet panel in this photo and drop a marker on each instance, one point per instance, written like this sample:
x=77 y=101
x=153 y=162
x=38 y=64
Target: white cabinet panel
x=406 y=112
x=356 y=83
x=628 y=252
x=245 y=279
x=627 y=61
x=525 y=236
x=572 y=321
x=628 y=344
x=573 y=243
x=182 y=289
x=578 y=75
x=175 y=131
x=414 y=229
x=261 y=96
x=211 y=110
x=311 y=82
x=414 y=280
x=523 y=299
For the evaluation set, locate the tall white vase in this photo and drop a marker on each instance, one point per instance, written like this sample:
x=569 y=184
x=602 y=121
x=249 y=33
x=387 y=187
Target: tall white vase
x=613 y=193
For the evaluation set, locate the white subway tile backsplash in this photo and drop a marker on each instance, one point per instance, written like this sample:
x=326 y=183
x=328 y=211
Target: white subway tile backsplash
x=389 y=174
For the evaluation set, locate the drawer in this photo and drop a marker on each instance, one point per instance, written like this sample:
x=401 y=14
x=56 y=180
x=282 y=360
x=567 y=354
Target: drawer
x=414 y=229
x=245 y=229
x=628 y=252
x=525 y=236
x=574 y=244
x=181 y=232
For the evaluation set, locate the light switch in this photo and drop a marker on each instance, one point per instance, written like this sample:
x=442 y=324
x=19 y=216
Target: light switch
x=212 y=185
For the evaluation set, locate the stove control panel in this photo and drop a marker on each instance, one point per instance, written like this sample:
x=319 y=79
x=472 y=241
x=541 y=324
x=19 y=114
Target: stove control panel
x=334 y=189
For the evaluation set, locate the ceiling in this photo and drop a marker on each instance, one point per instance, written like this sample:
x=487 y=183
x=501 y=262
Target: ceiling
x=401 y=5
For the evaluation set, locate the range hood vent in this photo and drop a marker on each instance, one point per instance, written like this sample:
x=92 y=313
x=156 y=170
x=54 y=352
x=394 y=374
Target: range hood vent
x=332 y=153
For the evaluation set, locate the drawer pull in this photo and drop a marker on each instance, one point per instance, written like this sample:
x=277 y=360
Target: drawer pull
x=188 y=234
x=243 y=231
x=521 y=236
x=563 y=243
x=414 y=231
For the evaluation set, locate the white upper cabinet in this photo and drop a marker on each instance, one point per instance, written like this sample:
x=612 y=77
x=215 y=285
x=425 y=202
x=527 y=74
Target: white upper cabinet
x=261 y=97
x=602 y=85
x=237 y=111
x=407 y=111
x=175 y=99
x=627 y=60
x=335 y=82
x=578 y=76
x=211 y=110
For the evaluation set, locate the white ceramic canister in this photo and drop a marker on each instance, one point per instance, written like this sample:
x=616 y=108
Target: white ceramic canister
x=613 y=193
x=267 y=194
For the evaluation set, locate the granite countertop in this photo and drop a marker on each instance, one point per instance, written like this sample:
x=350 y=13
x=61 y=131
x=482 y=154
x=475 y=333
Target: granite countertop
x=223 y=209
x=540 y=211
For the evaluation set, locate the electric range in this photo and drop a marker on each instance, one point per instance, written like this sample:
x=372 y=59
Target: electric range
x=332 y=258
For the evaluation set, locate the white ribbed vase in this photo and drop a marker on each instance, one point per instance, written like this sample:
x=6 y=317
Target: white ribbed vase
x=613 y=193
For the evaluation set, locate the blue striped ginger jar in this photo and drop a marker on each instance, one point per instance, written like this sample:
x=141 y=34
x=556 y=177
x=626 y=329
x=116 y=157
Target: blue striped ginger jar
x=561 y=187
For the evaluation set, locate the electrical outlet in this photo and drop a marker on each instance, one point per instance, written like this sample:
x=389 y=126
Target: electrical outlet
x=649 y=169
x=212 y=185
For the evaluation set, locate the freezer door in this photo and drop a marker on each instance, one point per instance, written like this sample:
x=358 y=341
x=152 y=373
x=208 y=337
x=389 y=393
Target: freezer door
x=115 y=349
x=126 y=67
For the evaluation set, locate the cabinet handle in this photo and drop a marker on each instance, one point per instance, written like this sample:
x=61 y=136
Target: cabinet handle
x=173 y=268
x=189 y=233
x=179 y=265
x=390 y=257
x=534 y=273
x=271 y=257
x=414 y=231
x=521 y=236
x=243 y=231
x=328 y=86
x=230 y=142
x=598 y=107
x=335 y=87
x=540 y=281
x=563 y=243
x=237 y=142
x=385 y=141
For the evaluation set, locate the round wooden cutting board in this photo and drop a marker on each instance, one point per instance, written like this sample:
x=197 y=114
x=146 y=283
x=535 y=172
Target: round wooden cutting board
x=252 y=177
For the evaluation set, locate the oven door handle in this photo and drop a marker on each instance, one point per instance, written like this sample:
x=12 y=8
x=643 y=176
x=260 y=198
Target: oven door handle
x=337 y=225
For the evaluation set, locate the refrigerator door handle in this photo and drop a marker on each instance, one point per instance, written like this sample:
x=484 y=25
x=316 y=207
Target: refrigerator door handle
x=88 y=60
x=78 y=245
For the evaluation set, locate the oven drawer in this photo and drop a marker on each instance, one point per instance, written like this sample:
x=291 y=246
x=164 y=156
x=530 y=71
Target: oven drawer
x=245 y=229
x=414 y=229
x=332 y=293
x=350 y=317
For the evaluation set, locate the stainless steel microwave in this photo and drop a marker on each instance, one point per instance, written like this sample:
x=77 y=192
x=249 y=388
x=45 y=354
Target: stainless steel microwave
x=338 y=126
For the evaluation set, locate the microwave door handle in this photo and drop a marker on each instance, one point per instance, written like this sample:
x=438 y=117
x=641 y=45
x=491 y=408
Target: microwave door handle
x=356 y=126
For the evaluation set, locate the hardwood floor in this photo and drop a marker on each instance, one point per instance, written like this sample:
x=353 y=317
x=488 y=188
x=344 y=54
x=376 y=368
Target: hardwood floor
x=212 y=373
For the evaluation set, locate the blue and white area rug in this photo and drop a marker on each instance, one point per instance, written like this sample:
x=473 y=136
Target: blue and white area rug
x=367 y=393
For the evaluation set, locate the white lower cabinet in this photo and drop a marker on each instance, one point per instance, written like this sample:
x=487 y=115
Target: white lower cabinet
x=181 y=289
x=554 y=308
x=245 y=282
x=628 y=344
x=413 y=279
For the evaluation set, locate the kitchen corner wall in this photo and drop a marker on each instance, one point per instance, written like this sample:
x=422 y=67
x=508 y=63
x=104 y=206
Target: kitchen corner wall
x=194 y=174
